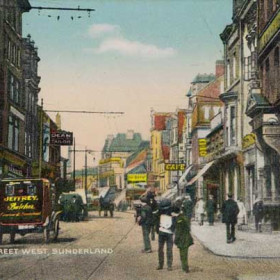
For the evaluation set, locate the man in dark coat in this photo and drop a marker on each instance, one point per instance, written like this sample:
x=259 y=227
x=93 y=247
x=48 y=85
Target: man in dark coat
x=153 y=203
x=165 y=228
x=146 y=220
x=188 y=207
x=258 y=212
x=210 y=209
x=230 y=211
x=183 y=239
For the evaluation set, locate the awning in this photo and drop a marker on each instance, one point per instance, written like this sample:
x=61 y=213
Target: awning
x=183 y=178
x=170 y=193
x=200 y=173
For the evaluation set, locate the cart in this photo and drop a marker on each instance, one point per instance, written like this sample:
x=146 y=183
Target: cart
x=28 y=206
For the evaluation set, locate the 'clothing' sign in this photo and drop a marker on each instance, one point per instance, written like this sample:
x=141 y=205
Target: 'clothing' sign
x=62 y=138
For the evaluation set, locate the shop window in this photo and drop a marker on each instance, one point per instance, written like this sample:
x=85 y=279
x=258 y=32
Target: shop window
x=31 y=190
x=10 y=190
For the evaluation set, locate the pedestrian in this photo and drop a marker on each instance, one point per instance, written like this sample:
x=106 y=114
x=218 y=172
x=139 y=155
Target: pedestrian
x=183 y=239
x=242 y=215
x=154 y=206
x=230 y=211
x=258 y=212
x=165 y=229
x=145 y=220
x=199 y=211
x=210 y=208
x=188 y=206
x=111 y=208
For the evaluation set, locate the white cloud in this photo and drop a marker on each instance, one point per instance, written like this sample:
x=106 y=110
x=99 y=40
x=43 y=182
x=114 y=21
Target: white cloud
x=133 y=48
x=98 y=30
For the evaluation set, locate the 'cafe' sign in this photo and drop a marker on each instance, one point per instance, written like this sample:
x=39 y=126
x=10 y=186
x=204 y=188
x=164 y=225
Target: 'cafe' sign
x=175 y=166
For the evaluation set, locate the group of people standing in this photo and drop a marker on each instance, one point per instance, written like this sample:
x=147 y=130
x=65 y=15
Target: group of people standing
x=172 y=222
x=167 y=220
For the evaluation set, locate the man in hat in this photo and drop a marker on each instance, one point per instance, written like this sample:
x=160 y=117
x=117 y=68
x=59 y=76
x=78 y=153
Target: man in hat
x=188 y=207
x=146 y=220
x=165 y=229
x=210 y=208
x=230 y=211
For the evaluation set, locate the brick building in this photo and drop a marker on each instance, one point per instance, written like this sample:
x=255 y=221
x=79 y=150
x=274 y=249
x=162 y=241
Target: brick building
x=12 y=101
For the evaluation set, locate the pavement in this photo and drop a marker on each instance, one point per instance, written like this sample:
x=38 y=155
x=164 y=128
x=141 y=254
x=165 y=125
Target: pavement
x=247 y=244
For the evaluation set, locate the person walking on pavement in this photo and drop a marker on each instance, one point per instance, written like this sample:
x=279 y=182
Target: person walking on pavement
x=188 y=206
x=145 y=220
x=230 y=211
x=154 y=206
x=183 y=239
x=242 y=215
x=258 y=212
x=165 y=228
x=210 y=208
x=199 y=211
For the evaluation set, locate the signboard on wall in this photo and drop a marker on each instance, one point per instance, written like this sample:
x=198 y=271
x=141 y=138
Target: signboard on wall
x=61 y=138
x=175 y=166
x=141 y=177
x=202 y=147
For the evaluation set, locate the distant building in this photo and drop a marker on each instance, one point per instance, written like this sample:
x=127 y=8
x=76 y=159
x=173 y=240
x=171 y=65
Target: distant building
x=114 y=154
x=160 y=150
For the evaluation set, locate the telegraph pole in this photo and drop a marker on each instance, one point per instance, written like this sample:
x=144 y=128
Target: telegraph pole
x=41 y=141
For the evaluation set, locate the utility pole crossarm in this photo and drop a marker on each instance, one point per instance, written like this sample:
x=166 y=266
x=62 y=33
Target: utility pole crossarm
x=63 y=9
x=85 y=112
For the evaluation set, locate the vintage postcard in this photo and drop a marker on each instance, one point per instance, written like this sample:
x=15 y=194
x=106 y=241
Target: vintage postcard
x=139 y=139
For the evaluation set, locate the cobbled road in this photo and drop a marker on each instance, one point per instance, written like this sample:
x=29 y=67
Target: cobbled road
x=110 y=249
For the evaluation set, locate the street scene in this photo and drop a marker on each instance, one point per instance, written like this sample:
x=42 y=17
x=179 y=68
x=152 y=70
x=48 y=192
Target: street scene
x=139 y=139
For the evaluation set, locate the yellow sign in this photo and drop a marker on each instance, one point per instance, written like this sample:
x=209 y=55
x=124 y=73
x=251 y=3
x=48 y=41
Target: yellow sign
x=248 y=140
x=202 y=147
x=175 y=166
x=270 y=32
x=141 y=177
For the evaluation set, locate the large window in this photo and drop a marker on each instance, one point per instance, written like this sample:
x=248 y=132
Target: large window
x=14 y=89
x=232 y=125
x=13 y=136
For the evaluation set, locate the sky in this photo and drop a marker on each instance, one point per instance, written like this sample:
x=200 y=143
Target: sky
x=127 y=56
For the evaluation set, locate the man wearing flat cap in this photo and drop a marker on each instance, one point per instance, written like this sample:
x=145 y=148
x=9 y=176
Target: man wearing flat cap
x=230 y=211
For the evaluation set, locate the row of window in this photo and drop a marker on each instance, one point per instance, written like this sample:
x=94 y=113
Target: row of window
x=16 y=95
x=266 y=10
x=270 y=76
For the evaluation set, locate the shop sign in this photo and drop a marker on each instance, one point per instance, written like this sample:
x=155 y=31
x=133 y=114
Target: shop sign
x=248 y=140
x=270 y=32
x=137 y=177
x=61 y=138
x=175 y=166
x=202 y=147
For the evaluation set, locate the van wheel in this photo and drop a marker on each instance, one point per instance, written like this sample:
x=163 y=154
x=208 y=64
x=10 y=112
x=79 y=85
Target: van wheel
x=56 y=229
x=12 y=237
x=46 y=234
x=1 y=236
